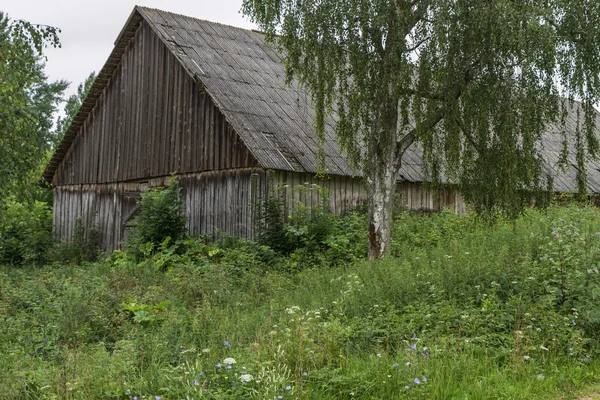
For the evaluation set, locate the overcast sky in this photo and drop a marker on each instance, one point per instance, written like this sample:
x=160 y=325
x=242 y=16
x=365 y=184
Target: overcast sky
x=89 y=28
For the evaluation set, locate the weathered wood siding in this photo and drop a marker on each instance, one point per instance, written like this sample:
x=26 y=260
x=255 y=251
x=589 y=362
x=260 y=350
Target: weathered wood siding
x=221 y=201
x=346 y=193
x=419 y=197
x=152 y=119
x=214 y=201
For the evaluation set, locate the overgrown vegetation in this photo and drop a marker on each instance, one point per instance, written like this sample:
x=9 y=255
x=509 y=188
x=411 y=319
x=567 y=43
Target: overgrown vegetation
x=310 y=234
x=462 y=310
x=159 y=221
x=25 y=233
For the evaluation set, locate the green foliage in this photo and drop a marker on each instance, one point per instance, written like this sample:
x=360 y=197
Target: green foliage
x=144 y=313
x=72 y=106
x=25 y=233
x=159 y=221
x=84 y=245
x=475 y=83
x=309 y=235
x=462 y=309
x=27 y=100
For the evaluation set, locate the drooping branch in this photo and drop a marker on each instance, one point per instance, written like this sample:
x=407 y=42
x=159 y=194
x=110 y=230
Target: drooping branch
x=409 y=138
x=418 y=44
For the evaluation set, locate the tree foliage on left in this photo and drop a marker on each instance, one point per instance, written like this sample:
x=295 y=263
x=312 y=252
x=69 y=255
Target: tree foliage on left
x=27 y=101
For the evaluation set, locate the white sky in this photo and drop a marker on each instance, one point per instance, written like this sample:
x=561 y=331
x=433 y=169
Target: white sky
x=89 y=28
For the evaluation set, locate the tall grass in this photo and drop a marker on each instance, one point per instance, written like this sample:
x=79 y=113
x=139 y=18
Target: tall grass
x=462 y=309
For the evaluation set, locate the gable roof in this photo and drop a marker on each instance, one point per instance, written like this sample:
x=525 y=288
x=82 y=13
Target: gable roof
x=246 y=80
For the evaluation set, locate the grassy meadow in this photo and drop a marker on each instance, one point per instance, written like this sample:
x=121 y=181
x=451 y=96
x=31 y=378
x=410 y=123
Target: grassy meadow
x=463 y=309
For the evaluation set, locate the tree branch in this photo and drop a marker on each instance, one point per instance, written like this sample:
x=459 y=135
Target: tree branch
x=561 y=32
x=416 y=46
x=407 y=140
x=425 y=95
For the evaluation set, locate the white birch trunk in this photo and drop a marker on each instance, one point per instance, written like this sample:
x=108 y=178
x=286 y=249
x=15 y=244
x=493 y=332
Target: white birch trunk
x=382 y=174
x=381 y=192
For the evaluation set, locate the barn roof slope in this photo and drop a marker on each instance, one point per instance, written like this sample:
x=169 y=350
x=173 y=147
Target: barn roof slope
x=246 y=80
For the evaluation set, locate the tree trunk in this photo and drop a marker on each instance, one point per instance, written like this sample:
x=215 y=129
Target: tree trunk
x=382 y=174
x=380 y=192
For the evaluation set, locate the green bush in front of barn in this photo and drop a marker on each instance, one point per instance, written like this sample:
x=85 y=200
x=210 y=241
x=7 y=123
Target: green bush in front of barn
x=160 y=221
x=25 y=232
x=462 y=309
x=309 y=235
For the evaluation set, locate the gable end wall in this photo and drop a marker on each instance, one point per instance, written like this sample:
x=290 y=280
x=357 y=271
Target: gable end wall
x=152 y=119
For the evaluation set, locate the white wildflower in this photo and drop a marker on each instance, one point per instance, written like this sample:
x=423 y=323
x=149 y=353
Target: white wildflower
x=246 y=378
x=229 y=361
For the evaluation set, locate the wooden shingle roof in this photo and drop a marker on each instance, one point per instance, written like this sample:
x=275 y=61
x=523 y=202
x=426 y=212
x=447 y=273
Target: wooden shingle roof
x=246 y=80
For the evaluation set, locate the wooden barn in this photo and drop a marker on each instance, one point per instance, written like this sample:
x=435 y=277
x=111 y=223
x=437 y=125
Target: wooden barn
x=207 y=102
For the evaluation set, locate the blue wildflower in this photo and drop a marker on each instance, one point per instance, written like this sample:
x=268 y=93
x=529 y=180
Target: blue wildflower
x=406 y=387
x=395 y=365
x=280 y=397
x=417 y=381
x=196 y=382
x=304 y=374
x=288 y=388
x=156 y=397
x=226 y=343
x=413 y=346
x=200 y=373
x=229 y=367
x=219 y=365
x=424 y=379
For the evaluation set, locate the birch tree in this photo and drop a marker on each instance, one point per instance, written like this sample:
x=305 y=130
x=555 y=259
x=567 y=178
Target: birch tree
x=474 y=83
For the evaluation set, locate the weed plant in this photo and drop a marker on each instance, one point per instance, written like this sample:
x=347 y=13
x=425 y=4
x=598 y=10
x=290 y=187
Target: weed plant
x=461 y=310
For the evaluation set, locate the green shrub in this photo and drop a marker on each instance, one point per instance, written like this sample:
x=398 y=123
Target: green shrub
x=25 y=233
x=311 y=236
x=84 y=245
x=161 y=218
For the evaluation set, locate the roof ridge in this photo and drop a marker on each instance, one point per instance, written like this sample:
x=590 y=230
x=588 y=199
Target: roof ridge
x=143 y=8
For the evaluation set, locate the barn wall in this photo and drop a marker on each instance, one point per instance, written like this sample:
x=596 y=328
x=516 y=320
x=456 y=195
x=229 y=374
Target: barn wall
x=419 y=197
x=347 y=192
x=213 y=201
x=216 y=201
x=151 y=119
